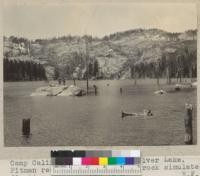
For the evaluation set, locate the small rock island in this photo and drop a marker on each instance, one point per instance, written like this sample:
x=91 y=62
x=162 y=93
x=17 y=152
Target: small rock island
x=59 y=90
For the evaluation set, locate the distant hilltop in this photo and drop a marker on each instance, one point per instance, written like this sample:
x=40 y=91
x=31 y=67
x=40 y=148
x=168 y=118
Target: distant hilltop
x=114 y=53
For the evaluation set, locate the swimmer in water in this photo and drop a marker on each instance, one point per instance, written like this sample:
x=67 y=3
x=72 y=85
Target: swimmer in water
x=146 y=112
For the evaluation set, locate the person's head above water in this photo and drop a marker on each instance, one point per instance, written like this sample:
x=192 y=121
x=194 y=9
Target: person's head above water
x=148 y=112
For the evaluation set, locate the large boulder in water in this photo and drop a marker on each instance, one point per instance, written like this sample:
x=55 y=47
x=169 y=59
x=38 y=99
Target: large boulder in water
x=51 y=90
x=73 y=91
x=59 y=90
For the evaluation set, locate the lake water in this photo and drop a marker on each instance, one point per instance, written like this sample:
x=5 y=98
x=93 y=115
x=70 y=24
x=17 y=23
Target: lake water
x=96 y=120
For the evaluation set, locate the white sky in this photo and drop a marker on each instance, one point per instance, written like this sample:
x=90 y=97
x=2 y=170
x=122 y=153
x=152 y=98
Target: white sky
x=96 y=19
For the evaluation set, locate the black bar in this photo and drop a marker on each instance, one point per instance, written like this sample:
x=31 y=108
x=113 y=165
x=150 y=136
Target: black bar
x=68 y=153
x=63 y=161
x=61 y=153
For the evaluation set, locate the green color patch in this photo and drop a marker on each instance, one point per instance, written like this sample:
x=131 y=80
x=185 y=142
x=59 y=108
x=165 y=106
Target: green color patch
x=112 y=161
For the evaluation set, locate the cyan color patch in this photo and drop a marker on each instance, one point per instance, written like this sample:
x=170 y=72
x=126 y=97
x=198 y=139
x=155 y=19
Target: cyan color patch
x=121 y=161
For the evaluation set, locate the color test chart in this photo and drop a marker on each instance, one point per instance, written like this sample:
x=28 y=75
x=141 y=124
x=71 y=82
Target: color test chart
x=106 y=162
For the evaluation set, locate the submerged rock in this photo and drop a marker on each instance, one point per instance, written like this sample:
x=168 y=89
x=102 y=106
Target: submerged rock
x=160 y=92
x=179 y=87
x=194 y=84
x=59 y=90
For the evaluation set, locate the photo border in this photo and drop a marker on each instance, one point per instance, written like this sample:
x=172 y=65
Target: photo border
x=44 y=152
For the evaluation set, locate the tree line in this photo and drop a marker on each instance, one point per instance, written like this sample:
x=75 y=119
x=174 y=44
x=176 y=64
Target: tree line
x=174 y=65
x=16 y=70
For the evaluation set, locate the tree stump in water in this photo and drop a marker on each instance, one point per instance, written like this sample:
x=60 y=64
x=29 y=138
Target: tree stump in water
x=26 y=127
x=188 y=124
x=121 y=91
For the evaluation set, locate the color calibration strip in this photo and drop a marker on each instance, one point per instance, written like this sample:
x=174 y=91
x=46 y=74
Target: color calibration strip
x=103 y=158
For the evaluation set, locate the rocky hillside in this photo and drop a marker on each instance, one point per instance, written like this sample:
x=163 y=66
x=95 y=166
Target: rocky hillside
x=114 y=53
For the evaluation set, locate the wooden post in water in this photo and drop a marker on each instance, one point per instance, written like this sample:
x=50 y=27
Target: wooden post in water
x=95 y=89
x=121 y=91
x=26 y=127
x=188 y=124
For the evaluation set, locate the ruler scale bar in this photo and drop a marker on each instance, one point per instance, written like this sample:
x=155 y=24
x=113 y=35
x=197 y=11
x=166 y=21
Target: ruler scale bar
x=94 y=170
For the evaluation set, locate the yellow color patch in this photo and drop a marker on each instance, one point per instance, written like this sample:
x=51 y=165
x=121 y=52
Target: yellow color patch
x=103 y=161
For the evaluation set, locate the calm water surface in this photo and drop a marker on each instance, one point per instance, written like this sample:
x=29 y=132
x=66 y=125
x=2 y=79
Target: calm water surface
x=95 y=120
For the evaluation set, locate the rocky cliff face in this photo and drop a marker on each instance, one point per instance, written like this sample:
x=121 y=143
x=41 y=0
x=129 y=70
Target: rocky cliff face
x=114 y=53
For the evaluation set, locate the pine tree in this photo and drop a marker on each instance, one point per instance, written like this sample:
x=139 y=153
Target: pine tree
x=95 y=68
